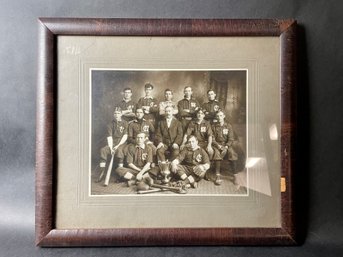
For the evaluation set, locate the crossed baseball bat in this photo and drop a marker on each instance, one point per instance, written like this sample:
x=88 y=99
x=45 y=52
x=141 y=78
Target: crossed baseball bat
x=150 y=187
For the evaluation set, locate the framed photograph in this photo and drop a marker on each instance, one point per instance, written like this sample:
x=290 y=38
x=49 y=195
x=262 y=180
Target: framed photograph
x=165 y=132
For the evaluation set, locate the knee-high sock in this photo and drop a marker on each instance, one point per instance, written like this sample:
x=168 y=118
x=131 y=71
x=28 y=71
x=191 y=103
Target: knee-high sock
x=217 y=167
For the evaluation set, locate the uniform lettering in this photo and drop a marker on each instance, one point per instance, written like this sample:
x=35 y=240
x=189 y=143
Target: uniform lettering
x=144 y=156
x=146 y=128
x=198 y=158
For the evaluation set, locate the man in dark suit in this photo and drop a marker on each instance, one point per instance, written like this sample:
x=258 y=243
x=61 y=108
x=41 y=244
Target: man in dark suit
x=169 y=136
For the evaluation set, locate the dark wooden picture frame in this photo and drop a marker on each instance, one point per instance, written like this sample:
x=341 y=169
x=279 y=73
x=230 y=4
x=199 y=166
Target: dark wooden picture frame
x=50 y=28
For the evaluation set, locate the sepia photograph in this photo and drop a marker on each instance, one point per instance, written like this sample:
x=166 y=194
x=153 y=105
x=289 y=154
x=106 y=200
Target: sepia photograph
x=168 y=132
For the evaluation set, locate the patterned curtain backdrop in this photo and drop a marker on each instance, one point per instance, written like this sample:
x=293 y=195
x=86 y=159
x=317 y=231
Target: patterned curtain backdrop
x=230 y=92
x=221 y=89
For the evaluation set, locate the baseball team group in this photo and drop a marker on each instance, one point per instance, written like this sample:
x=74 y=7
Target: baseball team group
x=182 y=141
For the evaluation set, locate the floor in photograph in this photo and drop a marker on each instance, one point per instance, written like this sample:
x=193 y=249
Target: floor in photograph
x=204 y=187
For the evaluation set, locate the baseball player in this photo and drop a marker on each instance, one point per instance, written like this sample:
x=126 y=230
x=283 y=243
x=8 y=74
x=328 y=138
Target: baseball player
x=127 y=105
x=139 y=159
x=222 y=144
x=202 y=130
x=149 y=104
x=211 y=107
x=192 y=163
x=187 y=107
x=168 y=96
x=140 y=125
x=168 y=136
x=116 y=138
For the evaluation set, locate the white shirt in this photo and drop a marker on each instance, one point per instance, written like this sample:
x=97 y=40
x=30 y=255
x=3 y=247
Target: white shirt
x=169 y=122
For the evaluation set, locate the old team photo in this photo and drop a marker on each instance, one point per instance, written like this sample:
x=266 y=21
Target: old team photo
x=168 y=132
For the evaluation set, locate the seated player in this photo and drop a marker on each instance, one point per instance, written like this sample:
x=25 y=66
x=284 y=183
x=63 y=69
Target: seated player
x=222 y=144
x=116 y=138
x=211 y=107
x=149 y=104
x=168 y=136
x=139 y=159
x=127 y=105
x=202 y=130
x=187 y=107
x=140 y=125
x=168 y=96
x=192 y=163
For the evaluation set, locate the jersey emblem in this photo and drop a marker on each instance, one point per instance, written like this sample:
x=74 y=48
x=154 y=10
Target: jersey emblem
x=225 y=131
x=144 y=156
x=198 y=158
x=145 y=128
x=202 y=129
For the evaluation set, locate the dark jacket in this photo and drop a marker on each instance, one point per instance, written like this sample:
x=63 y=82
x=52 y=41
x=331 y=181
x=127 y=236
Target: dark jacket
x=169 y=136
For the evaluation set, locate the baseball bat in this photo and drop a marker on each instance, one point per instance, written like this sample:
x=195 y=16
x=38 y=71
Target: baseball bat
x=179 y=190
x=141 y=192
x=109 y=170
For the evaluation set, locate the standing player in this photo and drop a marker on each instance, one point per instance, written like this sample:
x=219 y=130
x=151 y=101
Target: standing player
x=168 y=96
x=192 y=163
x=148 y=104
x=127 y=105
x=223 y=139
x=187 y=107
x=168 y=136
x=116 y=138
x=211 y=107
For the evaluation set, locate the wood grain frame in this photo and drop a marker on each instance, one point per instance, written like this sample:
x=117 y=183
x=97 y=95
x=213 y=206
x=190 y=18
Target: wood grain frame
x=50 y=28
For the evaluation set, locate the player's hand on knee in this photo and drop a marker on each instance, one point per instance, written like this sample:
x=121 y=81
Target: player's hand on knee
x=199 y=170
x=173 y=167
x=175 y=146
